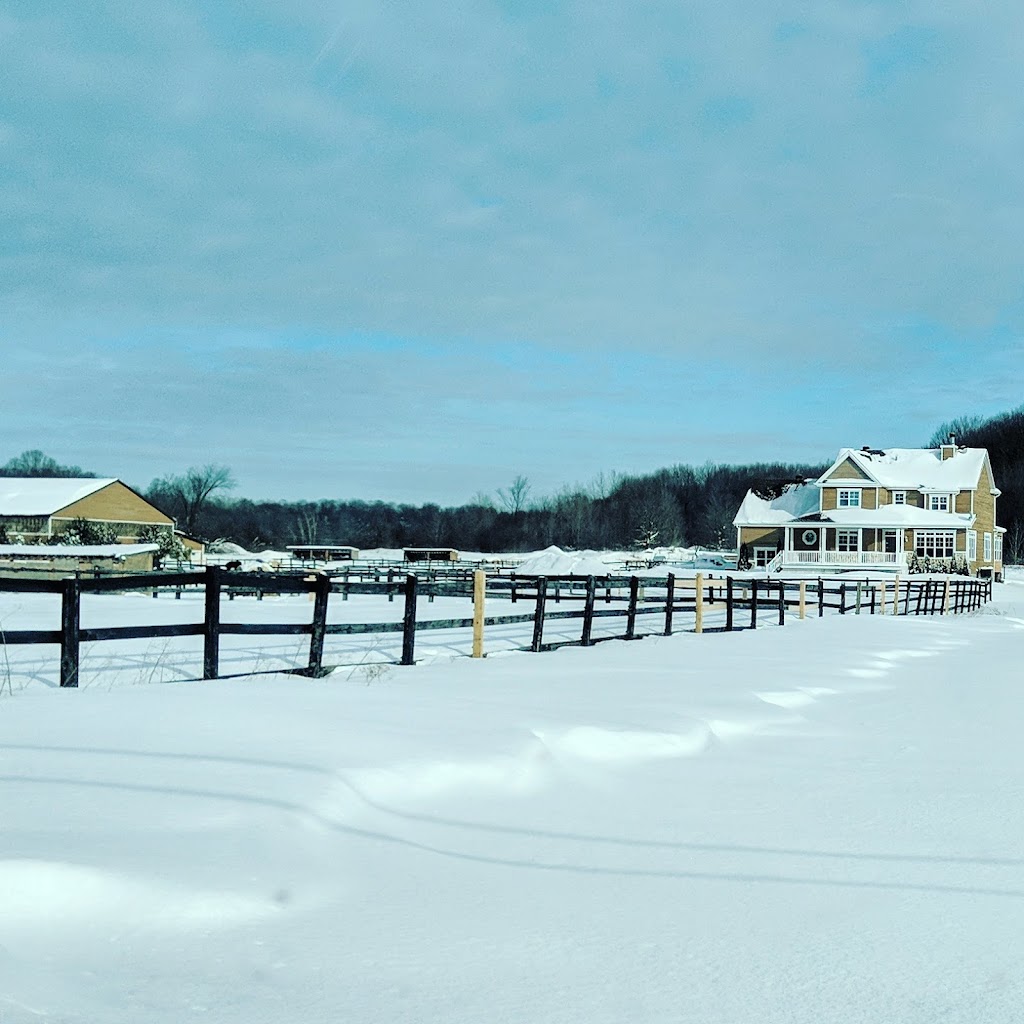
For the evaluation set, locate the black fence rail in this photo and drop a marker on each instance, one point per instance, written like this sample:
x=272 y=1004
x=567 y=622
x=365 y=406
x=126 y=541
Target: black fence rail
x=738 y=603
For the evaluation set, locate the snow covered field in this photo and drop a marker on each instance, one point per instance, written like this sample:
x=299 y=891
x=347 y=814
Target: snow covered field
x=814 y=824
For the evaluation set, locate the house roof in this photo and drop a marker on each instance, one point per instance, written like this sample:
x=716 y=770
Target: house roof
x=42 y=496
x=897 y=516
x=921 y=469
x=796 y=500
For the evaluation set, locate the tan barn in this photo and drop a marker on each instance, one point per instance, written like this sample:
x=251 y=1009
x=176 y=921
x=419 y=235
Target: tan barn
x=36 y=509
x=882 y=509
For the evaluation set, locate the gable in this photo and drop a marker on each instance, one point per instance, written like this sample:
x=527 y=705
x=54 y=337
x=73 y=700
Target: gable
x=846 y=470
x=115 y=503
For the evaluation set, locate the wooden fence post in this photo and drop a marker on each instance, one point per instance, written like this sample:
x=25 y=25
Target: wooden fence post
x=860 y=591
x=842 y=598
x=698 y=597
x=409 y=621
x=670 y=596
x=945 y=598
x=782 y=603
x=821 y=597
x=588 y=614
x=728 y=603
x=803 y=599
x=479 y=593
x=211 y=623
x=70 y=624
x=538 y=615
x=885 y=595
x=634 y=592
x=320 y=593
x=753 y=604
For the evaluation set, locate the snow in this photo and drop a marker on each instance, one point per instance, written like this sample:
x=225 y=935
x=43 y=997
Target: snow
x=117 y=551
x=40 y=496
x=918 y=468
x=816 y=823
x=553 y=561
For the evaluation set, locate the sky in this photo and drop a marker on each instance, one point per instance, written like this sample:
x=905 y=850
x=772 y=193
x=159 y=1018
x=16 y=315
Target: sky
x=410 y=251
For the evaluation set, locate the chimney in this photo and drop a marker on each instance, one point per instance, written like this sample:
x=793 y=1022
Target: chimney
x=948 y=450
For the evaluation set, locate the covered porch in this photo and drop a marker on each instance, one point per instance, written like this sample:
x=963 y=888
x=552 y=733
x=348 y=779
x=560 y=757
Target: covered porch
x=827 y=546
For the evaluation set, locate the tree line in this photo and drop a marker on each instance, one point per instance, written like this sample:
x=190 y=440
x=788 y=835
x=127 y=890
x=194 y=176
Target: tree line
x=679 y=505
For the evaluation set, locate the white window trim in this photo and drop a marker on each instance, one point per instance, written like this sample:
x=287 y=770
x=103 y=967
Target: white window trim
x=972 y=545
x=924 y=539
x=848 y=536
x=899 y=497
x=935 y=502
x=997 y=548
x=770 y=551
x=988 y=547
x=853 y=497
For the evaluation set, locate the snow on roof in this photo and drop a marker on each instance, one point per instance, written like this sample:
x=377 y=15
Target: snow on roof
x=42 y=496
x=116 y=551
x=918 y=468
x=898 y=515
x=796 y=500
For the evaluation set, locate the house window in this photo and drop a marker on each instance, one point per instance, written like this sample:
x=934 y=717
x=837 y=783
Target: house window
x=899 y=497
x=847 y=540
x=935 y=543
x=988 y=547
x=998 y=547
x=938 y=502
x=762 y=556
x=849 y=499
x=972 y=545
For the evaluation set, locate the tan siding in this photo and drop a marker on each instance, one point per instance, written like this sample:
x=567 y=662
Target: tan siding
x=829 y=498
x=868 y=498
x=848 y=470
x=117 y=504
x=963 y=501
x=985 y=512
x=762 y=536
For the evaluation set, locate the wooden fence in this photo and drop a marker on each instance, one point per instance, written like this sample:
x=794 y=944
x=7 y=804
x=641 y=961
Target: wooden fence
x=736 y=602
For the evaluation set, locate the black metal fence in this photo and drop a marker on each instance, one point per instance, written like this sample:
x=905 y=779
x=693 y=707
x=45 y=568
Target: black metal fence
x=736 y=603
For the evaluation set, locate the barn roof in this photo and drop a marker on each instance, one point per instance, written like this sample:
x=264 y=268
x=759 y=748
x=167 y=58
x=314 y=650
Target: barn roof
x=42 y=496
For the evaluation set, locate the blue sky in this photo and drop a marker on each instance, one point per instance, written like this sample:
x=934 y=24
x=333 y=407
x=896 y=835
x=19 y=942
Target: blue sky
x=408 y=251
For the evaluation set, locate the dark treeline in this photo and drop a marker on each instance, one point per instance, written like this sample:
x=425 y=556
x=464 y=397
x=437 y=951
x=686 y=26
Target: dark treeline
x=681 y=505
x=1003 y=436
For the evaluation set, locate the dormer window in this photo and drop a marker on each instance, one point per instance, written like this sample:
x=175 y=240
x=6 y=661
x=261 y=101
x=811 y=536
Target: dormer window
x=899 y=497
x=849 y=499
x=939 y=502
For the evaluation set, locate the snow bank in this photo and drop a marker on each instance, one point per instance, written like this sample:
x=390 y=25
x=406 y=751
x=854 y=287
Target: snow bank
x=553 y=561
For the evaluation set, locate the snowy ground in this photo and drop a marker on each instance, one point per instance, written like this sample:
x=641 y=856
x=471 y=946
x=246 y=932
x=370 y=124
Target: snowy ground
x=814 y=824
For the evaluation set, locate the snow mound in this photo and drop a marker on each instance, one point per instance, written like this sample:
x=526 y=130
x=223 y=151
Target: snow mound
x=553 y=561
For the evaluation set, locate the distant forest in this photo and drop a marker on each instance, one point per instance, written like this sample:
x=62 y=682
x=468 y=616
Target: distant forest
x=682 y=505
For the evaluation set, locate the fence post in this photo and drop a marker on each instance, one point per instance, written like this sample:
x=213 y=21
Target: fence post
x=885 y=595
x=670 y=596
x=821 y=597
x=512 y=588
x=588 y=614
x=782 y=603
x=538 y=615
x=634 y=591
x=860 y=591
x=803 y=599
x=945 y=598
x=479 y=593
x=321 y=593
x=698 y=597
x=211 y=623
x=842 y=598
x=70 y=624
x=409 y=621
x=728 y=603
x=753 y=604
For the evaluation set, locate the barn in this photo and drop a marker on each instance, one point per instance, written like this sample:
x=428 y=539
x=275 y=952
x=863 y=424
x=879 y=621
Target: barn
x=37 y=509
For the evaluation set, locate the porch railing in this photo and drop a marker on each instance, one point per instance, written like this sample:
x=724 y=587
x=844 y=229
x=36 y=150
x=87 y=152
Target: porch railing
x=893 y=558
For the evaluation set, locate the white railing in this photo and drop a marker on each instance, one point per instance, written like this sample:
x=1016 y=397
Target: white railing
x=776 y=563
x=893 y=558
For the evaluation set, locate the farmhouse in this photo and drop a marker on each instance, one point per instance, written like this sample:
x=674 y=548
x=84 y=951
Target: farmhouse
x=876 y=508
x=35 y=509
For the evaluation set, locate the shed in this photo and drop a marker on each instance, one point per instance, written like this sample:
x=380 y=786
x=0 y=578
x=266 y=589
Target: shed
x=44 y=561
x=431 y=555
x=323 y=552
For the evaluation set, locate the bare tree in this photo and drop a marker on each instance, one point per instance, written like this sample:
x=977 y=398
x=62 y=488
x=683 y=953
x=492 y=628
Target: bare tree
x=188 y=493
x=514 y=497
x=308 y=524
